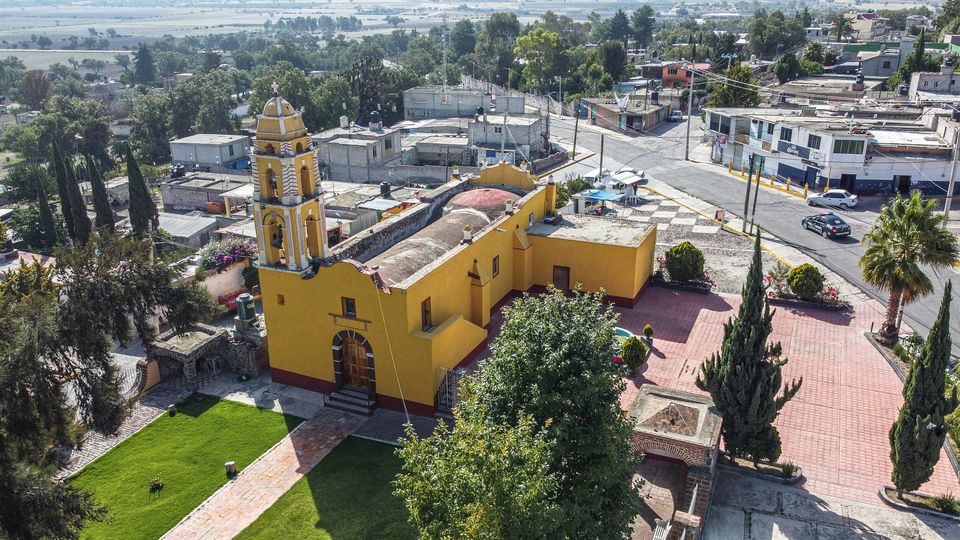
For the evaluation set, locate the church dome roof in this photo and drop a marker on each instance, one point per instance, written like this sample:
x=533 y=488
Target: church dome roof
x=271 y=109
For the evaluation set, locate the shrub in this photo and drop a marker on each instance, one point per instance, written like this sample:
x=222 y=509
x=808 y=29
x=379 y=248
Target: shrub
x=806 y=282
x=647 y=331
x=789 y=469
x=946 y=503
x=684 y=262
x=777 y=278
x=634 y=352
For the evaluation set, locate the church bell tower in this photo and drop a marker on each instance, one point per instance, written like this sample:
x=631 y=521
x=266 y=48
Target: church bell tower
x=288 y=203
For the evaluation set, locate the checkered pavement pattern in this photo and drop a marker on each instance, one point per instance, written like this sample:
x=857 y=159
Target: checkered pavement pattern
x=668 y=214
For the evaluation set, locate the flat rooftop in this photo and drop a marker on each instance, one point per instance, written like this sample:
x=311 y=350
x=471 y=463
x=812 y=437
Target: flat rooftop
x=184 y=226
x=616 y=232
x=218 y=183
x=210 y=138
x=676 y=415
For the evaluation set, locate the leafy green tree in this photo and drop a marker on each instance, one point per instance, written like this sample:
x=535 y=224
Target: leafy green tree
x=744 y=378
x=643 y=23
x=78 y=208
x=787 y=68
x=101 y=201
x=144 y=218
x=738 y=90
x=213 y=115
x=809 y=67
x=619 y=28
x=495 y=43
x=11 y=69
x=480 y=480
x=26 y=222
x=150 y=127
x=34 y=88
x=917 y=436
x=144 y=65
x=123 y=60
x=63 y=190
x=21 y=181
x=463 y=37
x=842 y=25
x=907 y=235
x=634 y=352
x=57 y=326
x=948 y=21
x=541 y=52
x=563 y=347
x=330 y=98
x=295 y=87
x=614 y=58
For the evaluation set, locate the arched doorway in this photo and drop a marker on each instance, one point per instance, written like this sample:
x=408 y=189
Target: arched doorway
x=353 y=364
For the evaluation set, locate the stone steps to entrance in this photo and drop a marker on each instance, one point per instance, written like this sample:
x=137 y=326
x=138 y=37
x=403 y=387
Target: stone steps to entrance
x=352 y=401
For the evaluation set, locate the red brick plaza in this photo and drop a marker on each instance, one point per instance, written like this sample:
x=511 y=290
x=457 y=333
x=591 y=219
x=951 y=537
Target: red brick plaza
x=836 y=426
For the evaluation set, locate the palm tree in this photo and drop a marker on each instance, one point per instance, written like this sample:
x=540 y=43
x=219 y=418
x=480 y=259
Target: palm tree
x=908 y=234
x=842 y=24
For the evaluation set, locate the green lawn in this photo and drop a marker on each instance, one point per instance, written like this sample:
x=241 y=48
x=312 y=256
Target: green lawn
x=187 y=453
x=347 y=495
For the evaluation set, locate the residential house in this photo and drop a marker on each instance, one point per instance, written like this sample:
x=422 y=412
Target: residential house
x=211 y=152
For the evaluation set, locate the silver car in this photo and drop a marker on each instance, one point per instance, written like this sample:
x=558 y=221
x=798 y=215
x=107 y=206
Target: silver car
x=833 y=198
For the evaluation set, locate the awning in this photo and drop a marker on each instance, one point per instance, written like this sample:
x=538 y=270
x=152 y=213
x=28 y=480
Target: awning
x=600 y=195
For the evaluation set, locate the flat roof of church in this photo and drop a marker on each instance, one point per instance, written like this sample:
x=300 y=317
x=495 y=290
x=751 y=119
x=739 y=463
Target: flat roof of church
x=617 y=232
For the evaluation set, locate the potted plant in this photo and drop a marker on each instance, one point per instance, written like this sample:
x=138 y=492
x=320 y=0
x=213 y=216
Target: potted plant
x=648 y=334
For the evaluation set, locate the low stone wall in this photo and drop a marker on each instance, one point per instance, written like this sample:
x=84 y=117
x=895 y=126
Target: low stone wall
x=548 y=162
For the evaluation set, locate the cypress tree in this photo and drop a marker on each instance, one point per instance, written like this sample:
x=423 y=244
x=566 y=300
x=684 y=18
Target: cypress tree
x=919 y=52
x=101 y=202
x=143 y=211
x=46 y=217
x=81 y=223
x=744 y=378
x=917 y=435
x=63 y=189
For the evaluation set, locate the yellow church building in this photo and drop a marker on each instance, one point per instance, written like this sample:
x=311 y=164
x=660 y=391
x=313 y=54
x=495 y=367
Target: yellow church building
x=386 y=315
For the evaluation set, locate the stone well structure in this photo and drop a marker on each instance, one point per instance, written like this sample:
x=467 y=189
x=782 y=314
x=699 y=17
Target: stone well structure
x=686 y=427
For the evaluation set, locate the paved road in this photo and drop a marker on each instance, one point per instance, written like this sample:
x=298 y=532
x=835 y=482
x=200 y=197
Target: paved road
x=661 y=156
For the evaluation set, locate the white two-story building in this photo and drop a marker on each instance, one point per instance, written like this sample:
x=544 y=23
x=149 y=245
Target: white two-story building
x=857 y=154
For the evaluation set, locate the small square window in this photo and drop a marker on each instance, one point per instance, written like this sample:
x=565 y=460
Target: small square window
x=496 y=266
x=279 y=299
x=530 y=220
x=349 y=306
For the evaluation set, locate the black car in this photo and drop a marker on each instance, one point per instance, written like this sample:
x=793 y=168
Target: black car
x=827 y=224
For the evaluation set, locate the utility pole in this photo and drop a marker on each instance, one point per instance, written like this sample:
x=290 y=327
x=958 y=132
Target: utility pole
x=576 y=124
x=746 y=196
x=953 y=174
x=601 y=158
x=444 y=54
x=503 y=134
x=686 y=148
x=756 y=193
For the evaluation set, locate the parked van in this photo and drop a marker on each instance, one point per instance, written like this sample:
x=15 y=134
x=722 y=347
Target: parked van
x=596 y=175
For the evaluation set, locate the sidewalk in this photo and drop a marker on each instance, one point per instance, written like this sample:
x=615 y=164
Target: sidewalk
x=241 y=501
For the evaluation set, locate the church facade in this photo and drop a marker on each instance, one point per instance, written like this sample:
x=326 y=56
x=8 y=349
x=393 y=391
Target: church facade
x=387 y=314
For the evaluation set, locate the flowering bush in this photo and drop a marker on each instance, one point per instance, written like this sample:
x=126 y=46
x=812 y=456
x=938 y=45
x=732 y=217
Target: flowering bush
x=220 y=255
x=779 y=285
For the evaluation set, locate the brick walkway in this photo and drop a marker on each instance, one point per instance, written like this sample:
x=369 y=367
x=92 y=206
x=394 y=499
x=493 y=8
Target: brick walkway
x=836 y=426
x=146 y=410
x=238 y=503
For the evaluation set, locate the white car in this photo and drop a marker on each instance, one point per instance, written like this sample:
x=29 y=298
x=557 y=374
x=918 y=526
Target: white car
x=631 y=170
x=833 y=198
